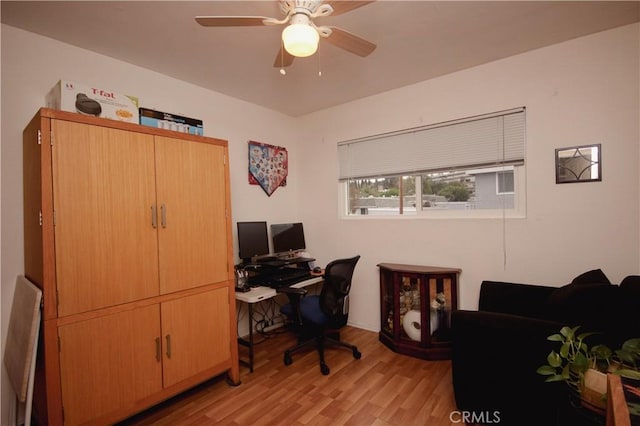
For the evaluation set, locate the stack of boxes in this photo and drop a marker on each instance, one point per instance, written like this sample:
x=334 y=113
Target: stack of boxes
x=99 y=102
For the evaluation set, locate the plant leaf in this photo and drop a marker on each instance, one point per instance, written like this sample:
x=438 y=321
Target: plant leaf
x=546 y=370
x=583 y=336
x=632 y=345
x=634 y=408
x=580 y=363
x=555 y=378
x=567 y=331
x=601 y=352
x=566 y=374
x=564 y=350
x=625 y=356
x=632 y=348
x=554 y=359
x=628 y=373
x=555 y=338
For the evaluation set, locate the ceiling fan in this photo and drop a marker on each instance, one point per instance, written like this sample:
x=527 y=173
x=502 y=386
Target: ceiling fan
x=301 y=36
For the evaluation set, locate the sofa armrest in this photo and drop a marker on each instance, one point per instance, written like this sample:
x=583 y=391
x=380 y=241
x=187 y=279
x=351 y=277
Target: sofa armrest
x=511 y=298
x=494 y=362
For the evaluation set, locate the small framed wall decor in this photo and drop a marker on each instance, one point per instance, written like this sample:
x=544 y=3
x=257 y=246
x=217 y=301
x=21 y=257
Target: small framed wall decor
x=268 y=166
x=579 y=164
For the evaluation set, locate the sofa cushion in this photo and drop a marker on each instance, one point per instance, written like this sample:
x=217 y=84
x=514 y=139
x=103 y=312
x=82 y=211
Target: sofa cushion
x=591 y=277
x=630 y=305
x=583 y=296
x=631 y=283
x=512 y=298
x=595 y=307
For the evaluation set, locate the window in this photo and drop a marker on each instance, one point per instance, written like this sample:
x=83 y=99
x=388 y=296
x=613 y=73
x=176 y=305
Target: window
x=465 y=165
x=504 y=182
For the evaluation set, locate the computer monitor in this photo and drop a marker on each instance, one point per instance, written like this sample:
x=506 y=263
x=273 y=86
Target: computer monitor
x=253 y=240
x=287 y=237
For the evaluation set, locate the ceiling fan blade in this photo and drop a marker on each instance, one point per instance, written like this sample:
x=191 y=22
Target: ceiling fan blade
x=283 y=59
x=350 y=42
x=344 y=6
x=231 y=21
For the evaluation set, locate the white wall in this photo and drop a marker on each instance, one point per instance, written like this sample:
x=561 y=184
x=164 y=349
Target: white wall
x=32 y=64
x=580 y=92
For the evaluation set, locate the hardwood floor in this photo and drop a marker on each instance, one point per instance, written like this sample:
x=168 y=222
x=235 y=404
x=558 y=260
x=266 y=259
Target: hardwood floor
x=381 y=388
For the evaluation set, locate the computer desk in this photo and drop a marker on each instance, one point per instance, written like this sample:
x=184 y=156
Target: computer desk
x=259 y=294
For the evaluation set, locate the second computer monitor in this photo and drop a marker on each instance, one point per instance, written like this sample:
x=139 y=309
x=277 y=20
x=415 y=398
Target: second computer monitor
x=287 y=237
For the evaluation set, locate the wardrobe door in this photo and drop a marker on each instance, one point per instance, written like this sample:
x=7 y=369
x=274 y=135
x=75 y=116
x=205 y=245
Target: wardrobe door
x=109 y=363
x=191 y=182
x=196 y=335
x=104 y=196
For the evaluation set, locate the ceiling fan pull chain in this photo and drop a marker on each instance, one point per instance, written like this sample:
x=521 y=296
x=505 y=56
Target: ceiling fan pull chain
x=282 y=70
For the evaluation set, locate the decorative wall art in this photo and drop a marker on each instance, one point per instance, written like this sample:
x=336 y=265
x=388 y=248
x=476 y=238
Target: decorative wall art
x=268 y=166
x=578 y=164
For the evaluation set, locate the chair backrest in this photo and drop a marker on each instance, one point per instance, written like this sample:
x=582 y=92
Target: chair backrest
x=334 y=297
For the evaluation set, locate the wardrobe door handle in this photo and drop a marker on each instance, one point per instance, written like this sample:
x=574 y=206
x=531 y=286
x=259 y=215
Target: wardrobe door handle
x=168 y=337
x=154 y=216
x=163 y=215
x=158 y=350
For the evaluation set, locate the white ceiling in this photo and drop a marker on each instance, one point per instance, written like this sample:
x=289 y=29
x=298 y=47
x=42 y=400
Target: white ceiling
x=417 y=40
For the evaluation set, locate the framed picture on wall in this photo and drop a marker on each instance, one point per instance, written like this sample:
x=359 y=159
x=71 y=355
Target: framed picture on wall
x=579 y=164
x=268 y=166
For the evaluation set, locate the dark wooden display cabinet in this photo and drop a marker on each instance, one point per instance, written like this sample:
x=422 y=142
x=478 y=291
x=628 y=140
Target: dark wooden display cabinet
x=415 y=309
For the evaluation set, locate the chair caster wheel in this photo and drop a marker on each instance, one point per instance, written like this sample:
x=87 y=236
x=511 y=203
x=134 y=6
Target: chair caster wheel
x=287 y=359
x=324 y=369
x=357 y=354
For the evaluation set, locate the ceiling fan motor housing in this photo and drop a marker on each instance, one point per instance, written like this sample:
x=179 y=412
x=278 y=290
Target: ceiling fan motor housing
x=299 y=6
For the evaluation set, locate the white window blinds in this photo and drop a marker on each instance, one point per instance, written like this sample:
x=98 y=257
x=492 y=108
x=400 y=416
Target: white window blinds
x=488 y=140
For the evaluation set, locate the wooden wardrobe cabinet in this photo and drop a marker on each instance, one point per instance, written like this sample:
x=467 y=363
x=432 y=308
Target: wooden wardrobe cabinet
x=128 y=234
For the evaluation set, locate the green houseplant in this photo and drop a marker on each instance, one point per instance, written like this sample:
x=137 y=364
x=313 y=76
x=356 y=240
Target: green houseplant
x=584 y=368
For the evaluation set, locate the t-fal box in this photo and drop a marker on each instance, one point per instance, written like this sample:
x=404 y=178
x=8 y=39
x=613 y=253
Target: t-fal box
x=164 y=120
x=92 y=100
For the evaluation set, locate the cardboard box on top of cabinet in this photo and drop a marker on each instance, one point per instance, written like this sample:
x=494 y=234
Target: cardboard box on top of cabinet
x=164 y=120
x=92 y=100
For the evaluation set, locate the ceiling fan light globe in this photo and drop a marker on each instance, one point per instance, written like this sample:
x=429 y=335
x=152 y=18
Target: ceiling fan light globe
x=300 y=40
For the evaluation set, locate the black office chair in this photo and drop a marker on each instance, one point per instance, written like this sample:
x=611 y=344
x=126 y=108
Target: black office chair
x=319 y=318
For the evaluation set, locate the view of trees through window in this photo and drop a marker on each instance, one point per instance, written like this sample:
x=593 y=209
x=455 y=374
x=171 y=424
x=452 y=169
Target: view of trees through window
x=408 y=195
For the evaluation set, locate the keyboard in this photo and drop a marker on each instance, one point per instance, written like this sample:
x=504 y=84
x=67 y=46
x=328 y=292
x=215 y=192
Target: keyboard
x=279 y=278
x=287 y=277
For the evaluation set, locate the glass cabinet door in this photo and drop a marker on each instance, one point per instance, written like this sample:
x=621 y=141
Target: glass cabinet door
x=440 y=303
x=387 y=302
x=410 y=308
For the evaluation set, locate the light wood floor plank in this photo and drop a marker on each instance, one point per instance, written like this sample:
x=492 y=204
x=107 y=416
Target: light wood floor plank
x=382 y=388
